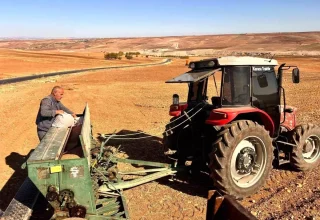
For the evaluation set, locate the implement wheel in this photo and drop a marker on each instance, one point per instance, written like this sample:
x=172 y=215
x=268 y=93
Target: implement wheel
x=241 y=159
x=306 y=154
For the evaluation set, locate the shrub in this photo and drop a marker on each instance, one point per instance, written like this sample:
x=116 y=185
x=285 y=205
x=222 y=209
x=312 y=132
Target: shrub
x=113 y=56
x=129 y=56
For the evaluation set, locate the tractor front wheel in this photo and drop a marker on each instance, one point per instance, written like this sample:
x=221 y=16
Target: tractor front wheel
x=241 y=159
x=306 y=154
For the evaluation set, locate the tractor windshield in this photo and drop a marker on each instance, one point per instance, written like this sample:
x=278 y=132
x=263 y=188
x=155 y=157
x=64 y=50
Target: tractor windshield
x=236 y=86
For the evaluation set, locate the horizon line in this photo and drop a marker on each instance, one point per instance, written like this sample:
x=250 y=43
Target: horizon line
x=166 y=36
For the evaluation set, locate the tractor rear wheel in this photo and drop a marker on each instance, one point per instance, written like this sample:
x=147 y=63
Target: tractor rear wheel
x=306 y=154
x=170 y=134
x=241 y=159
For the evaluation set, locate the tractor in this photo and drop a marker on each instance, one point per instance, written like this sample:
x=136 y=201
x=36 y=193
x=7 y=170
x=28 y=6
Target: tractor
x=239 y=133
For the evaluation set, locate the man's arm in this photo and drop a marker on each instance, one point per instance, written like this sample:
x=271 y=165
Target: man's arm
x=45 y=108
x=65 y=109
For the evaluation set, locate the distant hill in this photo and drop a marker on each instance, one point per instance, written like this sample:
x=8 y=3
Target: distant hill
x=299 y=43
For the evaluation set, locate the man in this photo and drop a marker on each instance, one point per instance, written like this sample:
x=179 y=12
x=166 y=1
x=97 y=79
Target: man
x=50 y=106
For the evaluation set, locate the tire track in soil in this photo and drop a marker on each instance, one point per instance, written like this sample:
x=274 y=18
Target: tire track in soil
x=298 y=196
x=301 y=207
x=281 y=177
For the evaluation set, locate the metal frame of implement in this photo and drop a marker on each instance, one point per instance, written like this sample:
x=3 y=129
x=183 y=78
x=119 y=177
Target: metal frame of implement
x=57 y=187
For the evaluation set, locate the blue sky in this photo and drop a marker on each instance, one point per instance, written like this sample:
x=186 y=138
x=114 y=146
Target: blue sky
x=125 y=18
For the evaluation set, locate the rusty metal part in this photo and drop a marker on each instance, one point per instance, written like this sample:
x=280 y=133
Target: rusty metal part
x=225 y=207
x=71 y=204
x=112 y=173
x=52 y=188
x=78 y=211
x=52 y=196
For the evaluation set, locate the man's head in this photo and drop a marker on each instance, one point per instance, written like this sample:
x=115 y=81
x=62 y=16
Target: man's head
x=57 y=92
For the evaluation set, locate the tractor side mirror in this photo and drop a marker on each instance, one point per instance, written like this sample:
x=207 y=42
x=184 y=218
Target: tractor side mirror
x=295 y=75
x=262 y=81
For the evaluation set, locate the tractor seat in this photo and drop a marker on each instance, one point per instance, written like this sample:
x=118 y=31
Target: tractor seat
x=216 y=101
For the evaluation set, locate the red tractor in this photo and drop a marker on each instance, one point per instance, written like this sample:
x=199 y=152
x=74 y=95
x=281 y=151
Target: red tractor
x=237 y=134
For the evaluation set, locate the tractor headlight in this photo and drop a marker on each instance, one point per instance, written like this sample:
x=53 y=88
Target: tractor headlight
x=175 y=99
x=192 y=65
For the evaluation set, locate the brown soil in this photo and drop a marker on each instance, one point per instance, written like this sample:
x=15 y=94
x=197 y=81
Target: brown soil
x=129 y=100
x=21 y=63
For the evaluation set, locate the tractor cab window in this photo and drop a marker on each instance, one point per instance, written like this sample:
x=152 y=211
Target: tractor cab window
x=197 y=91
x=236 y=86
x=193 y=91
x=214 y=89
x=264 y=87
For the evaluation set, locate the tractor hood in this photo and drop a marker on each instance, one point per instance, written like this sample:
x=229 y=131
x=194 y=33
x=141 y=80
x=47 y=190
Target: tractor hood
x=193 y=76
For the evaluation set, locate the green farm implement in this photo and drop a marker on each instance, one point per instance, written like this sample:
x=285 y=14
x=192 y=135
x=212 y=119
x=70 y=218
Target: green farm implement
x=70 y=176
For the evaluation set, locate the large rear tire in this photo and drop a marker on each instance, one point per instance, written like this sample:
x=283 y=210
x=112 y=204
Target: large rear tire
x=170 y=135
x=306 y=154
x=241 y=159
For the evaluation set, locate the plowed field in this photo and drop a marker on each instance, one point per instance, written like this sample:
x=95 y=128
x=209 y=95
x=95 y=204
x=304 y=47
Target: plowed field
x=135 y=99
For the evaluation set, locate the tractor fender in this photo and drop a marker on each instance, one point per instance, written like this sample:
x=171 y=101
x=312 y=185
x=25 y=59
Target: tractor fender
x=223 y=116
x=175 y=110
x=288 y=118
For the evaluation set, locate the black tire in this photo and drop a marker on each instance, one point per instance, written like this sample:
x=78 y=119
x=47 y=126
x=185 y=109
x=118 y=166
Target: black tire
x=233 y=140
x=306 y=137
x=169 y=139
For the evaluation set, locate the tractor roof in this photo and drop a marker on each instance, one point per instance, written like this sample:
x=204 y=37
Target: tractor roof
x=245 y=60
x=214 y=63
x=204 y=68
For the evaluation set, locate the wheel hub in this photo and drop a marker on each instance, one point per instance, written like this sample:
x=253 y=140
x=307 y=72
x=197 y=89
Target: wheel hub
x=310 y=150
x=246 y=160
x=308 y=147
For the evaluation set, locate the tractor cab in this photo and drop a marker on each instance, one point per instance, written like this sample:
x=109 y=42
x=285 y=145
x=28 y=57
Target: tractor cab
x=238 y=132
x=249 y=88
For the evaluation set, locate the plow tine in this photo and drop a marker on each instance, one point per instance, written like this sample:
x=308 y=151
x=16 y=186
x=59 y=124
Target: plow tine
x=105 y=200
x=110 y=194
x=113 y=212
x=110 y=211
x=119 y=214
x=108 y=208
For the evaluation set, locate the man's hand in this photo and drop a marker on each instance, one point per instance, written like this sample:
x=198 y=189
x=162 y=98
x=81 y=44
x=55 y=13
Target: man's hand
x=59 y=112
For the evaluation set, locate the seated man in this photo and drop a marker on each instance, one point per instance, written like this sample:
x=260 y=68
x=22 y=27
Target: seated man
x=50 y=106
